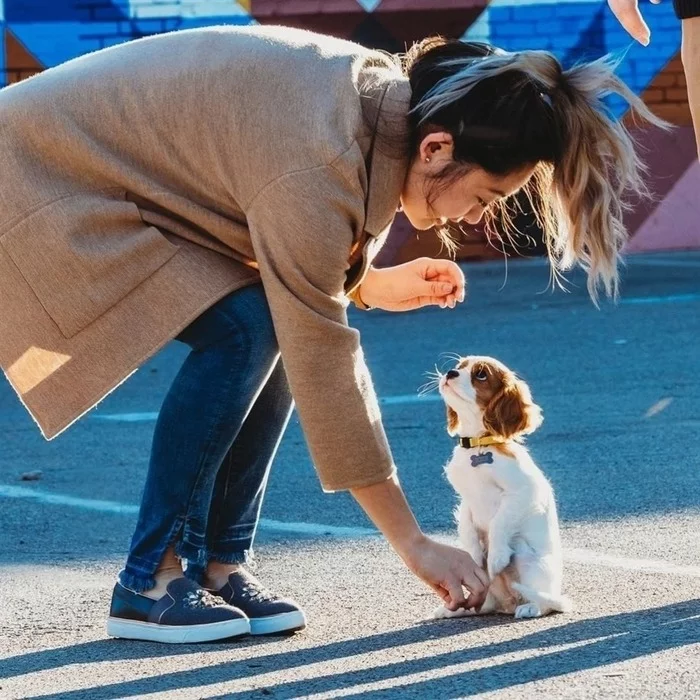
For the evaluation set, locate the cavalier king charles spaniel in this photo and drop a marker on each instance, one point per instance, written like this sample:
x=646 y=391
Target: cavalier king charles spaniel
x=507 y=518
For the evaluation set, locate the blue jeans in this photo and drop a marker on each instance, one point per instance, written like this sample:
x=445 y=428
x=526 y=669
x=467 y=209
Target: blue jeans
x=216 y=436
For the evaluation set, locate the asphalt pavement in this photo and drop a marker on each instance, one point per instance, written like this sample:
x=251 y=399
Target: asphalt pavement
x=620 y=391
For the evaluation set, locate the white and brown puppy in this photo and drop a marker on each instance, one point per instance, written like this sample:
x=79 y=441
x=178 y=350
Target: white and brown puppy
x=507 y=518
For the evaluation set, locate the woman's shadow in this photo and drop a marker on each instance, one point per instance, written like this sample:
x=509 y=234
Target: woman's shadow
x=600 y=641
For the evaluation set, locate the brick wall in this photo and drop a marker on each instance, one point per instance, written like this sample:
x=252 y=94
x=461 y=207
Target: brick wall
x=667 y=95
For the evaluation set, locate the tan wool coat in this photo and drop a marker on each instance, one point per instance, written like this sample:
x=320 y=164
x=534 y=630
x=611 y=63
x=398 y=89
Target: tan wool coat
x=142 y=183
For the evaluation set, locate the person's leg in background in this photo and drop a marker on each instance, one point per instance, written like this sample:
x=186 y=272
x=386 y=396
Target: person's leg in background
x=234 y=352
x=688 y=11
x=690 y=55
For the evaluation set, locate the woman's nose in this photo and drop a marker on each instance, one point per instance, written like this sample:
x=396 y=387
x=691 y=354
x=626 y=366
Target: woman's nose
x=452 y=374
x=474 y=215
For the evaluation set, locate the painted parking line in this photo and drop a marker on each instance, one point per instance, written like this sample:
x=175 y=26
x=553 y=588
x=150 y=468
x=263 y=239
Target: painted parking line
x=152 y=416
x=578 y=556
x=409 y=398
x=663 y=262
x=125 y=417
x=115 y=508
x=647 y=566
x=669 y=299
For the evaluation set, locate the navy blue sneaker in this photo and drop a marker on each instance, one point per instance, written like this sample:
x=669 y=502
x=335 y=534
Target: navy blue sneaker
x=268 y=614
x=185 y=614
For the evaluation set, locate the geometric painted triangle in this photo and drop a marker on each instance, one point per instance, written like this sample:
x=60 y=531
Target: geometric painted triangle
x=372 y=32
x=369 y=5
x=19 y=62
x=341 y=25
x=505 y=22
x=667 y=155
x=591 y=42
x=339 y=19
x=673 y=224
x=148 y=9
x=412 y=23
x=667 y=95
x=436 y=6
x=74 y=39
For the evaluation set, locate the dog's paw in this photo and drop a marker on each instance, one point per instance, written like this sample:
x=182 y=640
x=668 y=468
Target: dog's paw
x=527 y=610
x=497 y=560
x=443 y=613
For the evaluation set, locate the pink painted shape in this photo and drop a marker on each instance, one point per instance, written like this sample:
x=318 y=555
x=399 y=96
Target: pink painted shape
x=675 y=223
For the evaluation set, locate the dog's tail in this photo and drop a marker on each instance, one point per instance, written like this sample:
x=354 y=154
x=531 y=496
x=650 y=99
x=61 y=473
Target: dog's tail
x=560 y=603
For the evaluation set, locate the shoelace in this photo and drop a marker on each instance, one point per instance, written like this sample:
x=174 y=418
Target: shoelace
x=256 y=592
x=202 y=599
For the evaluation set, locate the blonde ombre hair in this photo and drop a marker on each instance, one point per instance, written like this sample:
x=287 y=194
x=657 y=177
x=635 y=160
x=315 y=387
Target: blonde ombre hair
x=507 y=111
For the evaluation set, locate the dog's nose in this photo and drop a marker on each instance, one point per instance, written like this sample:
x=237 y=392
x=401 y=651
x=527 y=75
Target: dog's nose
x=452 y=374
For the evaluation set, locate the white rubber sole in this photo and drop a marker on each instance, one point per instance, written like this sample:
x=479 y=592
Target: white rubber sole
x=274 y=624
x=176 y=634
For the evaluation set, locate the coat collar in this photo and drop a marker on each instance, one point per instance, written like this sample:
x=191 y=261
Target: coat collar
x=386 y=97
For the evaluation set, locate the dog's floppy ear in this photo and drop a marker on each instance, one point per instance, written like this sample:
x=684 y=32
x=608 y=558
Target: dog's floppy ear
x=452 y=421
x=511 y=411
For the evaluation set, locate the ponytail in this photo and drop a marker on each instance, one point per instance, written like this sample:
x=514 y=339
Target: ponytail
x=507 y=111
x=598 y=169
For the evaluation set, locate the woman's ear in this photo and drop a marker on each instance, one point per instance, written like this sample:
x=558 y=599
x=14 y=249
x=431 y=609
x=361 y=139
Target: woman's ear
x=436 y=144
x=511 y=412
x=452 y=422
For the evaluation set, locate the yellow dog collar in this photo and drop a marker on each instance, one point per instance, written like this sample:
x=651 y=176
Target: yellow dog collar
x=484 y=441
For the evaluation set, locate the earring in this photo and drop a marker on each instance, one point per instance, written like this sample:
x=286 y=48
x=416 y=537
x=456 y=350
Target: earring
x=427 y=160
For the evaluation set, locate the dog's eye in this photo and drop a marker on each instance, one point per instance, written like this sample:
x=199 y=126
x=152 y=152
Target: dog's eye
x=480 y=375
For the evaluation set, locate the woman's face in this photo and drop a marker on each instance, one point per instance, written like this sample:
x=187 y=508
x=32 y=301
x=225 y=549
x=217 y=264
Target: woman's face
x=464 y=200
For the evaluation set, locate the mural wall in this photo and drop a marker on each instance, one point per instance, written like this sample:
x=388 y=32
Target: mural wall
x=36 y=34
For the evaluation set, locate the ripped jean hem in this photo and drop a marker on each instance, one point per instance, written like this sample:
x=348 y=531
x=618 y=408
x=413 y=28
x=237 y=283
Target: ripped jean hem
x=136 y=581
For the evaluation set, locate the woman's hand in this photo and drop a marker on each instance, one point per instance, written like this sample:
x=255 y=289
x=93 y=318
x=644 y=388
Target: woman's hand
x=418 y=283
x=448 y=570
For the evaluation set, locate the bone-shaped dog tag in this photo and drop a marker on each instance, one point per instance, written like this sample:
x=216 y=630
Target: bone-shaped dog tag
x=486 y=458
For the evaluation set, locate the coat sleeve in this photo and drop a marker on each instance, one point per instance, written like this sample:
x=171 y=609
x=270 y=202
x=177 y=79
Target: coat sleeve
x=302 y=228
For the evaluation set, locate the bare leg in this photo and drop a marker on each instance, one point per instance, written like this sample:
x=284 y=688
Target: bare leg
x=168 y=569
x=690 y=54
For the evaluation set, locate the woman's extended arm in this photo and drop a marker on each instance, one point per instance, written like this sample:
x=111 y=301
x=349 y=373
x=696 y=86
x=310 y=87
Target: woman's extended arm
x=445 y=569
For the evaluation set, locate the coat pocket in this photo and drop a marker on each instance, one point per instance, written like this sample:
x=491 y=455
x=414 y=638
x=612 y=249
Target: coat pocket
x=83 y=253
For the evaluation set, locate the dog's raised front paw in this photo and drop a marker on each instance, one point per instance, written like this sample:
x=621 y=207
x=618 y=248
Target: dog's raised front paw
x=442 y=613
x=497 y=560
x=527 y=610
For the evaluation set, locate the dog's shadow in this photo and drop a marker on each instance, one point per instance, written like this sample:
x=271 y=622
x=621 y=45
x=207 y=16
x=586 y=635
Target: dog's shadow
x=599 y=642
